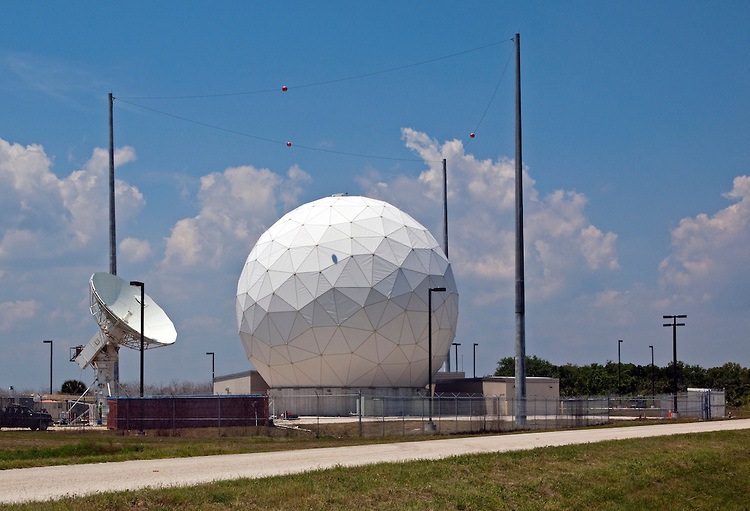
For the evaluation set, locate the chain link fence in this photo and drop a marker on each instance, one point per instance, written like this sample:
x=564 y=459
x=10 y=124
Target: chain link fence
x=325 y=412
x=694 y=403
x=365 y=415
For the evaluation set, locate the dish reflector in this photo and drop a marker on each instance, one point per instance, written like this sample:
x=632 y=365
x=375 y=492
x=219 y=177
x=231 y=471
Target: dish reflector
x=116 y=307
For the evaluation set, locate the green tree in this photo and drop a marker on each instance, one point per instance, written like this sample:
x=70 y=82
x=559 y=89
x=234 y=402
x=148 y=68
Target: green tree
x=598 y=380
x=73 y=387
x=535 y=366
x=734 y=379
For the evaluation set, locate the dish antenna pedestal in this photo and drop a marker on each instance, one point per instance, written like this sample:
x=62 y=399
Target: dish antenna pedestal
x=116 y=307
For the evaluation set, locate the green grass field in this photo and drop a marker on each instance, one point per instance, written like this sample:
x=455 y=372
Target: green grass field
x=25 y=448
x=701 y=471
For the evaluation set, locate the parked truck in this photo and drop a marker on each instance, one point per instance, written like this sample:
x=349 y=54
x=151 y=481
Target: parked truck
x=19 y=416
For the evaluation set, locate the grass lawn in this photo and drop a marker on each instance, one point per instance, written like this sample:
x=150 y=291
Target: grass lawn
x=700 y=471
x=26 y=448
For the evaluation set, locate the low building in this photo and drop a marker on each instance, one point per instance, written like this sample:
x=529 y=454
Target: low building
x=495 y=395
x=246 y=382
x=537 y=387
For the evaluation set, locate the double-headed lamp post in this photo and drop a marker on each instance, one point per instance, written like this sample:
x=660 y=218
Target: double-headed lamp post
x=140 y=285
x=430 y=424
x=50 y=364
x=213 y=372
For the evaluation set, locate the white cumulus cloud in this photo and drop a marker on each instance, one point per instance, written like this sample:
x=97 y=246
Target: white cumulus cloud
x=43 y=215
x=134 y=250
x=14 y=312
x=561 y=243
x=237 y=205
x=709 y=252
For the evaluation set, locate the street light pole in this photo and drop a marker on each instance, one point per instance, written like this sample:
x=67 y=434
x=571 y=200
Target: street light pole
x=475 y=359
x=653 y=384
x=456 y=344
x=674 y=324
x=50 y=364
x=140 y=285
x=619 y=368
x=430 y=424
x=213 y=373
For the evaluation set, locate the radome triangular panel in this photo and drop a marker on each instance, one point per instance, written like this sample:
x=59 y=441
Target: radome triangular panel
x=341 y=269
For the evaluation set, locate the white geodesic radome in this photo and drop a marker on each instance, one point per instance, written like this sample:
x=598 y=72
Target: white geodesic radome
x=335 y=294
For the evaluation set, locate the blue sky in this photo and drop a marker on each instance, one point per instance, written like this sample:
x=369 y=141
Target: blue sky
x=636 y=155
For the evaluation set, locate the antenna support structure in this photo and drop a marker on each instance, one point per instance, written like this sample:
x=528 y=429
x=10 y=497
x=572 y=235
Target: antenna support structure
x=116 y=308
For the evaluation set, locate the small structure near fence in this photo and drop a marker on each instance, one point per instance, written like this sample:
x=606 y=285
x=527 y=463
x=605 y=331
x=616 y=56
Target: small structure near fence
x=701 y=404
x=172 y=412
x=704 y=403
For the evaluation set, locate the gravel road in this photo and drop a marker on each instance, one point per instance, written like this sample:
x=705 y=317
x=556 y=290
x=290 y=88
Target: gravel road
x=46 y=483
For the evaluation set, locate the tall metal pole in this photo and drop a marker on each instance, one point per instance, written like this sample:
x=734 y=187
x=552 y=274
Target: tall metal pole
x=675 y=382
x=50 y=364
x=653 y=384
x=140 y=285
x=445 y=239
x=475 y=359
x=445 y=207
x=213 y=371
x=112 y=236
x=457 y=344
x=520 y=372
x=619 y=368
x=430 y=424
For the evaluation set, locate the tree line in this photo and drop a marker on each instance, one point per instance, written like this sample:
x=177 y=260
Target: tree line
x=631 y=379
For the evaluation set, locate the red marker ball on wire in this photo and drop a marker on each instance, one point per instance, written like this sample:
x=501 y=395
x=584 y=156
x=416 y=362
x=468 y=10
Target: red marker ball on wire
x=472 y=135
x=284 y=88
x=289 y=144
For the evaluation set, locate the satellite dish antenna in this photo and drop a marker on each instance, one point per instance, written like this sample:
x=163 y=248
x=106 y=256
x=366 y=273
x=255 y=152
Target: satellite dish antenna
x=116 y=307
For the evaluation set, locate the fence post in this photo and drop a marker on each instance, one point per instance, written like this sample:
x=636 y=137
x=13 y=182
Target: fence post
x=455 y=407
x=421 y=419
x=440 y=410
x=403 y=415
x=360 y=405
x=383 y=408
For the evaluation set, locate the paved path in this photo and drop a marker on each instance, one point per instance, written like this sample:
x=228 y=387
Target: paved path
x=45 y=483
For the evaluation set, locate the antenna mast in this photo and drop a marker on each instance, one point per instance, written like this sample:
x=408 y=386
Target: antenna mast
x=520 y=372
x=445 y=240
x=112 y=237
